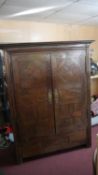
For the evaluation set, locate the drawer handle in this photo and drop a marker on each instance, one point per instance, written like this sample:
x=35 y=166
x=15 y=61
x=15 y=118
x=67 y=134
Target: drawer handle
x=50 y=96
x=56 y=95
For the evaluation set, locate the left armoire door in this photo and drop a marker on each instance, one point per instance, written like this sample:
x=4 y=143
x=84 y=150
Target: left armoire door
x=32 y=84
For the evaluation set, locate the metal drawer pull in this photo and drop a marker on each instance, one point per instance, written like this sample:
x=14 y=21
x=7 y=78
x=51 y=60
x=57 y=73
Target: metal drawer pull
x=50 y=96
x=56 y=96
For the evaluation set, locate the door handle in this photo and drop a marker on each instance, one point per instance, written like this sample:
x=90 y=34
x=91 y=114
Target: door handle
x=50 y=96
x=56 y=95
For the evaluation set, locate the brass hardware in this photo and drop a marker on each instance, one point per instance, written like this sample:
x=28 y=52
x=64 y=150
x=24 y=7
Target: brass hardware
x=50 y=96
x=56 y=95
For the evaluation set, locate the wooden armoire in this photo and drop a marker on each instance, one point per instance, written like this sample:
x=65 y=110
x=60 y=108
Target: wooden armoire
x=49 y=95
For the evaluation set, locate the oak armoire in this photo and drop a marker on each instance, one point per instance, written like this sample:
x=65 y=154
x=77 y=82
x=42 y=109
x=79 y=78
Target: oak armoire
x=48 y=87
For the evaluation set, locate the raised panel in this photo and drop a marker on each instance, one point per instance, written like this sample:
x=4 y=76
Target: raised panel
x=54 y=143
x=31 y=72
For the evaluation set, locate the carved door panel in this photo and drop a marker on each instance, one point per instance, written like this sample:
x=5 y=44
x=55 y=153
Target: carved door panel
x=69 y=84
x=32 y=83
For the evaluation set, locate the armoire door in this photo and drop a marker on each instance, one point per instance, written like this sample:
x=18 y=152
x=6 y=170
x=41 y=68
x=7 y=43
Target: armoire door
x=70 y=91
x=32 y=85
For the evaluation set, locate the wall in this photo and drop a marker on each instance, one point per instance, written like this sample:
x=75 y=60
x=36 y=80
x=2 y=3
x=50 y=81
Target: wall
x=20 y=31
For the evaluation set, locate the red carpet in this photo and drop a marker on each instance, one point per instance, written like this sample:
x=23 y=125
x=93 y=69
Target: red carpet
x=77 y=162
